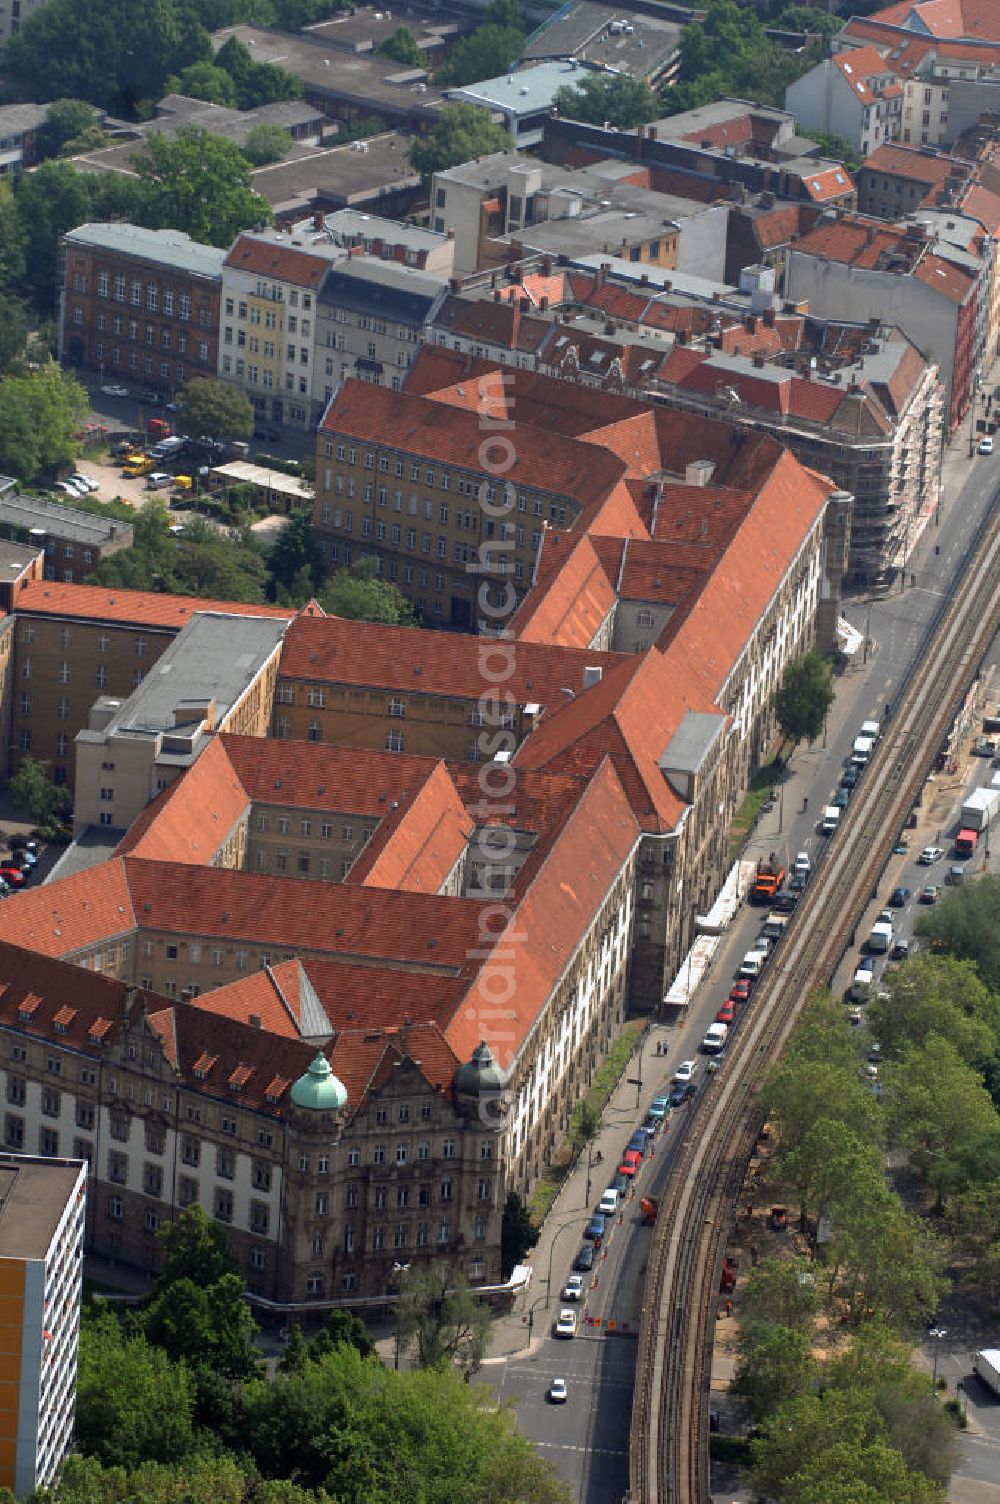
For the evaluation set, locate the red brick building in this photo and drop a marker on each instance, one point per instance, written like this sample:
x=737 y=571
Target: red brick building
x=140 y=305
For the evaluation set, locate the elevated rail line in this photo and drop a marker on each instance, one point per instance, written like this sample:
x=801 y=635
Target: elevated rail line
x=669 y=1432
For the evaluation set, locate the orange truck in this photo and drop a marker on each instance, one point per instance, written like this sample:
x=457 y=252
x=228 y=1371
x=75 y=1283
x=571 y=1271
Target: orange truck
x=768 y=879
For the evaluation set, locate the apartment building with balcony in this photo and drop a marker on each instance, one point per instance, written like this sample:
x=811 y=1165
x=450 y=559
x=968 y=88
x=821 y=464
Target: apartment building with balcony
x=139 y=305
x=857 y=95
x=42 y=1217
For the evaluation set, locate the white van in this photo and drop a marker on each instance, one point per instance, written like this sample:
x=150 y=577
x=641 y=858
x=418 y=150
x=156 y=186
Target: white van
x=881 y=938
x=753 y=965
x=831 y=819
x=862 y=750
x=715 y=1039
x=861 y=985
x=871 y=729
x=609 y=1202
x=775 y=926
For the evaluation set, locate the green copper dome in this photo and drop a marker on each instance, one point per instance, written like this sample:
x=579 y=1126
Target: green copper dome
x=319 y=1089
x=481 y=1073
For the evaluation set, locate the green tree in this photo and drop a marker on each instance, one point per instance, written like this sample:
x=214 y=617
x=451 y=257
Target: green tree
x=504 y=13
x=803 y=1426
x=442 y=1318
x=875 y=1474
x=828 y=1168
x=214 y=408
x=485 y=53
x=295 y=562
x=114 y=53
x=265 y=143
x=40 y=409
x=837 y=148
x=518 y=1233
x=935 y=994
x=205 y=81
x=51 y=200
x=368 y=1435
x=730 y=53
x=360 y=595
x=133 y=1404
x=13 y=238
x=67 y=121
x=807 y=18
x=194 y=1247
x=200 y=183
x=966 y=924
x=775 y=1364
x=402 y=46
x=461 y=132
x=295 y=1355
x=804 y=697
x=614 y=97
x=781 y=1292
x=30 y=789
x=204 y=1324
x=341 y=1326
x=585 y=1124
x=939 y=1111
x=882 y=1259
x=256 y=83
x=13 y=332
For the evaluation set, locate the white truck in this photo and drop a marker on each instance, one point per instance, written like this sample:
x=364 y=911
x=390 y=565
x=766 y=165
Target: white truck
x=830 y=821
x=862 y=750
x=715 y=1039
x=980 y=808
x=986 y=1365
x=881 y=938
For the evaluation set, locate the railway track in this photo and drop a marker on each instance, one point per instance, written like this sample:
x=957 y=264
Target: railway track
x=669 y=1432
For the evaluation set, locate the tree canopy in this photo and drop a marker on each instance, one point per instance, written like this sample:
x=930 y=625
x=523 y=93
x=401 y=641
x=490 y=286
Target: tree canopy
x=442 y=1319
x=266 y=143
x=255 y=83
x=730 y=53
x=361 y=595
x=616 y=98
x=70 y=125
x=39 y=410
x=461 y=131
x=804 y=696
x=200 y=183
x=485 y=53
x=402 y=46
x=214 y=408
x=966 y=923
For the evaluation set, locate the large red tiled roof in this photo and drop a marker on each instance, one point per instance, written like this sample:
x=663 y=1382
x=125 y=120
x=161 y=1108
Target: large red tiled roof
x=73 y=914
x=412 y=661
x=859 y=65
x=37 y=989
x=978 y=19
x=565 y=893
x=271 y=258
x=318 y=776
x=950 y=281
x=828 y=184
x=196 y=814
x=447 y=434
x=496 y=323
x=572 y=597
x=140 y=608
x=427 y=840
x=856 y=241
x=894 y=159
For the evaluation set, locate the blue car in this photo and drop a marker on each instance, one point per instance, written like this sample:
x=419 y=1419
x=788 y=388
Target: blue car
x=637 y=1141
x=594 y=1228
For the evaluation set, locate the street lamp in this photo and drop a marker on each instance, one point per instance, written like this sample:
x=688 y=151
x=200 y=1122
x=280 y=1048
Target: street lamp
x=936 y=1333
x=552 y=1254
x=398 y=1269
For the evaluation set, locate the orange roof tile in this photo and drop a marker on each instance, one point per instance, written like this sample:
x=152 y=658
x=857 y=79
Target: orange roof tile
x=572 y=597
x=565 y=894
x=195 y=815
x=447 y=434
x=950 y=281
x=415 y=662
x=272 y=258
x=140 y=608
x=946 y=18
x=427 y=841
x=74 y=914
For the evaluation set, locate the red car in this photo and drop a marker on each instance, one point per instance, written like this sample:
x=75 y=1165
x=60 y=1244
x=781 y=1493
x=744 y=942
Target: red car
x=12 y=876
x=726 y=1013
x=631 y=1160
x=740 y=990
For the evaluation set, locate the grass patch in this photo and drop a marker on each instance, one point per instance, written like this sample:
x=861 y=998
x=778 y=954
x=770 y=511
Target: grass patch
x=734 y=1449
x=547 y=1189
x=613 y=1064
x=760 y=787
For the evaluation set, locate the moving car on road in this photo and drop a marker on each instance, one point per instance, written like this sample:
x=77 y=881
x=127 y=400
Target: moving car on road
x=685 y=1070
x=114 y=390
x=557 y=1392
x=930 y=855
x=566 y=1323
x=573 y=1288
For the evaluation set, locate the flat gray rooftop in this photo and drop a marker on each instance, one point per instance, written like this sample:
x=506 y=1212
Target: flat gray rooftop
x=214 y=658
x=14 y=557
x=92 y=846
x=33 y=1197
x=641 y=46
x=60 y=521
x=165 y=247
x=338 y=175
x=523 y=93
x=349 y=225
